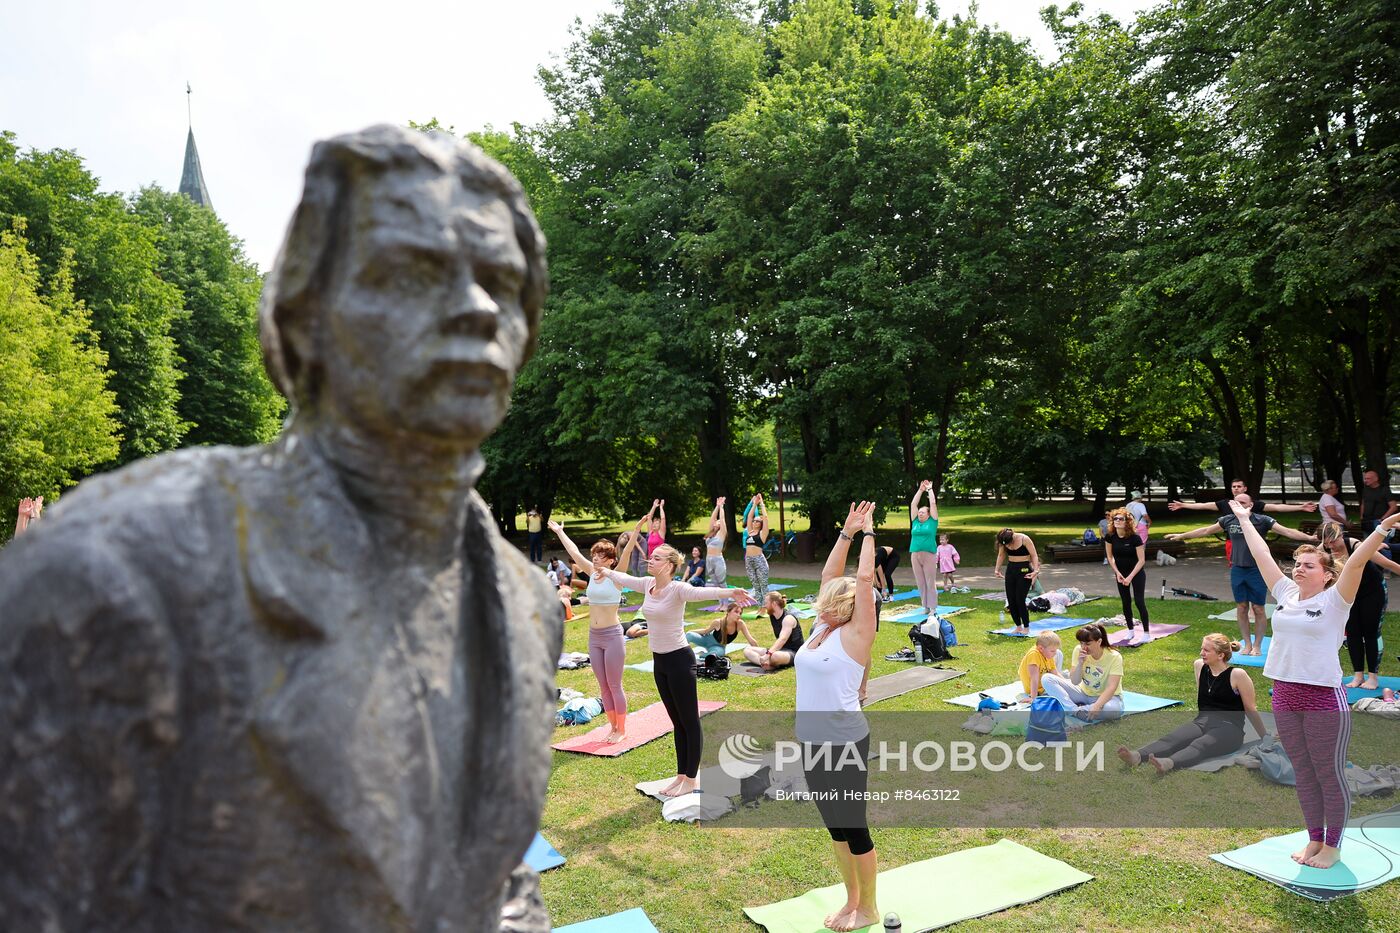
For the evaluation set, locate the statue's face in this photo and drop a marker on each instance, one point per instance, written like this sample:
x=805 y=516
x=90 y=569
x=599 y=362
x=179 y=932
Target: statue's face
x=424 y=329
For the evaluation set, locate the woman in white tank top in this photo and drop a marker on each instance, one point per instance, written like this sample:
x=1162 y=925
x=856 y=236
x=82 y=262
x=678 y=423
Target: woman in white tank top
x=832 y=666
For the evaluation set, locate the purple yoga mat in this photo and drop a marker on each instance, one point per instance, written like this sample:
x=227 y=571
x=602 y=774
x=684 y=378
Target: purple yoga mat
x=1131 y=637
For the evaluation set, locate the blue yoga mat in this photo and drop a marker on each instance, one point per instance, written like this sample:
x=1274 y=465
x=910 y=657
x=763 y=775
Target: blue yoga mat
x=1255 y=660
x=1008 y=693
x=1356 y=693
x=541 y=856
x=1370 y=856
x=907 y=594
x=921 y=615
x=1047 y=624
x=629 y=921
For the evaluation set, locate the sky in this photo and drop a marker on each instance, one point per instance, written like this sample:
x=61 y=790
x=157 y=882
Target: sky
x=107 y=80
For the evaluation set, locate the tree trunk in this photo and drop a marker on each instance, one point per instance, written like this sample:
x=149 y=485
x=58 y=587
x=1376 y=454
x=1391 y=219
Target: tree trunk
x=906 y=441
x=945 y=417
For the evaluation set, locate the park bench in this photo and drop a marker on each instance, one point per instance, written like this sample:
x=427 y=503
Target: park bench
x=1078 y=551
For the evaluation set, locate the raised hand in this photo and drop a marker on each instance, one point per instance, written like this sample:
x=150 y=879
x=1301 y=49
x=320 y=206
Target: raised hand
x=556 y=527
x=741 y=596
x=868 y=526
x=1174 y=506
x=1240 y=511
x=720 y=501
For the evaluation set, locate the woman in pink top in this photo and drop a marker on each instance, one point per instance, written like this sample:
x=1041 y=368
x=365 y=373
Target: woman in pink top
x=657 y=534
x=673 y=662
x=1310 y=704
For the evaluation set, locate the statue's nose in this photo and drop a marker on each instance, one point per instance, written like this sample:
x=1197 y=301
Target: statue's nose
x=474 y=312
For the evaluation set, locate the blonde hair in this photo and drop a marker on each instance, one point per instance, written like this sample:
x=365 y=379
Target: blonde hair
x=777 y=598
x=836 y=601
x=1221 y=645
x=1330 y=531
x=1330 y=565
x=1045 y=639
x=670 y=555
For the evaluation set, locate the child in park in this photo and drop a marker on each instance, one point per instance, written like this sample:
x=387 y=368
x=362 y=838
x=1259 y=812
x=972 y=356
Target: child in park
x=948 y=560
x=1042 y=658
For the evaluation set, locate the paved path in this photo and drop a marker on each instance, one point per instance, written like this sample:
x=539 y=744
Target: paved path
x=1207 y=575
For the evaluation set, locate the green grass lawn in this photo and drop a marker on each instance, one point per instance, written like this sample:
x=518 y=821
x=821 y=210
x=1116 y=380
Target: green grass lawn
x=691 y=878
x=971 y=527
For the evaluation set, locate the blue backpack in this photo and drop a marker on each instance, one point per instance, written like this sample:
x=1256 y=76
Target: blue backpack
x=950 y=634
x=1047 y=722
x=1090 y=536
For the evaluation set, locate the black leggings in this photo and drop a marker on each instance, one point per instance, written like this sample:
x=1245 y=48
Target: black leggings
x=1201 y=738
x=1364 y=631
x=844 y=817
x=1018 y=584
x=674 y=673
x=1139 y=594
x=887 y=564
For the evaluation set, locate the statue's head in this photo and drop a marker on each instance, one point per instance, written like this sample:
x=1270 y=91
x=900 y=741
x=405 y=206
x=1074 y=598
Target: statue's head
x=408 y=292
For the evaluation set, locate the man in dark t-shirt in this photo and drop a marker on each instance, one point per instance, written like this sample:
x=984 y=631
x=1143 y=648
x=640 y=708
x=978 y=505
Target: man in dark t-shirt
x=1246 y=582
x=1377 y=501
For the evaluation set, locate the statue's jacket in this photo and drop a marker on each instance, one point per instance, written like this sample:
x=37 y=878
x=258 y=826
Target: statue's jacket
x=222 y=709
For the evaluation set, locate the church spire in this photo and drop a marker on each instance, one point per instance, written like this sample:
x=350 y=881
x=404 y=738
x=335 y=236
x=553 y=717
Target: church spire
x=192 y=179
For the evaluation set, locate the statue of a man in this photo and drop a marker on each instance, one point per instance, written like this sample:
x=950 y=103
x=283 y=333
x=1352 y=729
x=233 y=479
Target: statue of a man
x=304 y=686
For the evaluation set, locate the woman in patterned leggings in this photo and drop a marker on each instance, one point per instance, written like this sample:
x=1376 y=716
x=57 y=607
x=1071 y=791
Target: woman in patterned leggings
x=1310 y=705
x=756 y=525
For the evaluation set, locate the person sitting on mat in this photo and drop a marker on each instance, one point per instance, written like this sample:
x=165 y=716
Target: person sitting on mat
x=716 y=636
x=664 y=599
x=787 y=635
x=832 y=666
x=1044 y=657
x=1094 y=688
x=694 y=569
x=1224 y=696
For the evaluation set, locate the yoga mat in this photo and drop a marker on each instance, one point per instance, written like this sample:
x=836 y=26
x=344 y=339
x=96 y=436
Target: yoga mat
x=1370 y=857
x=937 y=892
x=541 y=856
x=629 y=921
x=1047 y=624
x=643 y=726
x=1229 y=614
x=912 y=616
x=992 y=595
x=901 y=682
x=649 y=666
x=1008 y=693
x=1252 y=660
x=1136 y=637
x=903 y=595
x=1356 y=693
x=756 y=670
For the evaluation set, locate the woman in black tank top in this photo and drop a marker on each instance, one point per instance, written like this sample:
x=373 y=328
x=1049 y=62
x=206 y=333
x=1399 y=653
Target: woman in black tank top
x=1224 y=696
x=1364 y=619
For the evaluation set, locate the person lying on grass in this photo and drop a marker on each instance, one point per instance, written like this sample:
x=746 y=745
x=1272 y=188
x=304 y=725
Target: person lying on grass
x=1224 y=696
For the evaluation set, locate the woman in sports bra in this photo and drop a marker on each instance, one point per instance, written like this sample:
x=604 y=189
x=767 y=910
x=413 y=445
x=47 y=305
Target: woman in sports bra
x=607 y=646
x=720 y=633
x=756 y=524
x=1017 y=551
x=832 y=665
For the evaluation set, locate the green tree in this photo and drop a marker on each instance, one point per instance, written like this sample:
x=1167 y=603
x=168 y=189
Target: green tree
x=225 y=396
x=114 y=264
x=57 y=417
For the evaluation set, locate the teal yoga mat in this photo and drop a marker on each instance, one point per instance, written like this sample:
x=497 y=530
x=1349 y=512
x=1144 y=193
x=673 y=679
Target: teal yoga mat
x=629 y=921
x=1356 y=693
x=1370 y=857
x=1254 y=660
x=920 y=615
x=936 y=892
x=1047 y=624
x=541 y=856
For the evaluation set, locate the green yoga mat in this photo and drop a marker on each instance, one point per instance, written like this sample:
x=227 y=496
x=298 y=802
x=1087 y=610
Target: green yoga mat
x=1370 y=856
x=938 y=891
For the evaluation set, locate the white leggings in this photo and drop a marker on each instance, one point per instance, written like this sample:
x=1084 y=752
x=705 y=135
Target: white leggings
x=1076 y=699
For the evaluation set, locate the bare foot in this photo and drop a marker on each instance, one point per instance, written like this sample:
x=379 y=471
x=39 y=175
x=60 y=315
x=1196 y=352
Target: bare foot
x=836 y=916
x=680 y=787
x=1372 y=683
x=1325 y=857
x=613 y=737
x=1307 y=852
x=1163 y=765
x=1355 y=680
x=1130 y=758
x=669 y=788
x=858 y=919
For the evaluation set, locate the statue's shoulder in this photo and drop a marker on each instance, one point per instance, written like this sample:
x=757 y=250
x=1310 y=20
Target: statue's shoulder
x=107 y=544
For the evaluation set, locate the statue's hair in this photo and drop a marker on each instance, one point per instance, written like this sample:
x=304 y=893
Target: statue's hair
x=340 y=167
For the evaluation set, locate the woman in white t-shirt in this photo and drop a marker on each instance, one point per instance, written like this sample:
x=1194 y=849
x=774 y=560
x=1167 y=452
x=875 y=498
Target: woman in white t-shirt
x=832 y=666
x=1310 y=705
x=1330 y=508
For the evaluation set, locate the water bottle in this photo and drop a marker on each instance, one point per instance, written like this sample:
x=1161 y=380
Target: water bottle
x=892 y=924
x=1001 y=618
x=918 y=652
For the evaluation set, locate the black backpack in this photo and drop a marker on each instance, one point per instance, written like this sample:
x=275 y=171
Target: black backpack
x=934 y=649
x=715 y=667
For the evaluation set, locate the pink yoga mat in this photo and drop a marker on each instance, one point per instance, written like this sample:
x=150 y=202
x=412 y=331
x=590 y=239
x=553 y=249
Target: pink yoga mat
x=643 y=726
x=1136 y=637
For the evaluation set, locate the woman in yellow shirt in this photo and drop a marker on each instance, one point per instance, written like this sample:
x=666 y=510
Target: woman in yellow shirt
x=1094 y=688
